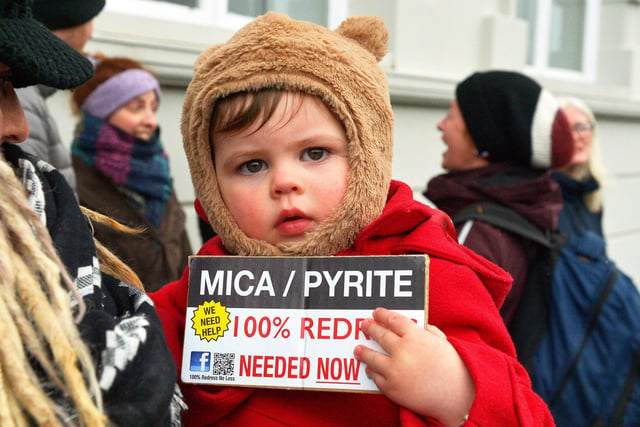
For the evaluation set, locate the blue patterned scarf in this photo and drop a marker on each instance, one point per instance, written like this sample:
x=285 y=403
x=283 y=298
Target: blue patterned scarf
x=141 y=167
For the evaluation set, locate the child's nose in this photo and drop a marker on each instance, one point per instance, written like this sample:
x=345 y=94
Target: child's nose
x=285 y=180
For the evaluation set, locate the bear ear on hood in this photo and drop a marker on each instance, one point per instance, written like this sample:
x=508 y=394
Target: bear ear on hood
x=208 y=53
x=368 y=31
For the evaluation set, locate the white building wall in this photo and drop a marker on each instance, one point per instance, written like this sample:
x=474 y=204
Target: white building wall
x=433 y=45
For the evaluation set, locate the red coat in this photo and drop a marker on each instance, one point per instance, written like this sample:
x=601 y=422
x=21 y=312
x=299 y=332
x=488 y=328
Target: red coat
x=465 y=292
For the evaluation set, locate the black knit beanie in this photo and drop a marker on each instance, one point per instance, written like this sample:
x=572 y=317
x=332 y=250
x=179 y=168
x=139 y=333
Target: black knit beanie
x=34 y=54
x=56 y=14
x=512 y=119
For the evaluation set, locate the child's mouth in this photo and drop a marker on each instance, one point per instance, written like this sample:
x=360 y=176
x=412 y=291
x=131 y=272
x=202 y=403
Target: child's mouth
x=293 y=223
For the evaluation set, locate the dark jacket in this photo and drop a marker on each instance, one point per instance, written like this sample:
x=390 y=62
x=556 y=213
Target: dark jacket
x=575 y=218
x=532 y=194
x=158 y=256
x=120 y=325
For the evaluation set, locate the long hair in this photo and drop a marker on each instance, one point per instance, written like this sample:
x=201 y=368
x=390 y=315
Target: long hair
x=109 y=262
x=595 y=166
x=45 y=367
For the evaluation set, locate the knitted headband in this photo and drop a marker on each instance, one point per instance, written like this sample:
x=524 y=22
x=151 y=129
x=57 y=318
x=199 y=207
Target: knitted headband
x=512 y=119
x=118 y=90
x=66 y=13
x=340 y=67
x=34 y=54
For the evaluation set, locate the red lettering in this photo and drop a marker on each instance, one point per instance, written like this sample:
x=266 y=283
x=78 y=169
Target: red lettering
x=351 y=369
x=245 y=365
x=338 y=368
x=358 y=331
x=291 y=372
x=274 y=366
x=268 y=365
x=322 y=326
x=281 y=366
x=326 y=328
x=305 y=326
x=305 y=364
x=323 y=368
x=257 y=365
x=336 y=328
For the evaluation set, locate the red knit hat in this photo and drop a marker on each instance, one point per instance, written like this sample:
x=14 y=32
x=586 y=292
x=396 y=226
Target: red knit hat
x=512 y=119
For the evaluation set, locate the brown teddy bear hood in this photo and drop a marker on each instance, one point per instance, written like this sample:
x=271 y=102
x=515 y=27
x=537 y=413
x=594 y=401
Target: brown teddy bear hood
x=340 y=67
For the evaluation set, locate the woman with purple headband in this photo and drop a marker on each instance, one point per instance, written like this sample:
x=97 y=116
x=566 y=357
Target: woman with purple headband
x=123 y=170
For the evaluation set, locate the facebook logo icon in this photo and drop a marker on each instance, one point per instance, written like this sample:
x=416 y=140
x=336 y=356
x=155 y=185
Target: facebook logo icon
x=200 y=361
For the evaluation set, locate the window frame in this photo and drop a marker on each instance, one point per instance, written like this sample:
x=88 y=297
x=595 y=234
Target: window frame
x=209 y=13
x=541 y=45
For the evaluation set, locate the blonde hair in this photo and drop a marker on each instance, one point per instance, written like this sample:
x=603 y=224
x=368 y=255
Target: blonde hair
x=45 y=367
x=109 y=262
x=595 y=166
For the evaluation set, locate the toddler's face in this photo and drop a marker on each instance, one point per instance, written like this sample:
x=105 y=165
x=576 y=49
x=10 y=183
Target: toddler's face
x=281 y=181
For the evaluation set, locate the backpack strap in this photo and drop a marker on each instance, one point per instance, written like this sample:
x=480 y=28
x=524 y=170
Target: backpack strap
x=629 y=386
x=506 y=219
x=530 y=321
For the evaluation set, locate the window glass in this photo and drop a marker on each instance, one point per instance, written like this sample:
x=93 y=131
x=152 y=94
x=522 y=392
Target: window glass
x=232 y=14
x=567 y=34
x=562 y=34
x=527 y=11
x=314 y=11
x=188 y=3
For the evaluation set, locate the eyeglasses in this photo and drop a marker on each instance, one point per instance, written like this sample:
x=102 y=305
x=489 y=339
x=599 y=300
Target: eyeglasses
x=582 y=127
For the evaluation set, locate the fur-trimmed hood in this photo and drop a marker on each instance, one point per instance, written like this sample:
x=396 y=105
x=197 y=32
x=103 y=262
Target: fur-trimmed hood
x=341 y=68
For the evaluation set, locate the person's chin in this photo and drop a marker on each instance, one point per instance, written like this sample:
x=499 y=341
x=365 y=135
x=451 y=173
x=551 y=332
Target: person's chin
x=143 y=136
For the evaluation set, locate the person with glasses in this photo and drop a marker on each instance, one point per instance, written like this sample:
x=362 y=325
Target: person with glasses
x=582 y=179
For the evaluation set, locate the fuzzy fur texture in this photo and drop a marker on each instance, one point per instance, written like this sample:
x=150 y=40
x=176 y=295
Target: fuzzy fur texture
x=340 y=67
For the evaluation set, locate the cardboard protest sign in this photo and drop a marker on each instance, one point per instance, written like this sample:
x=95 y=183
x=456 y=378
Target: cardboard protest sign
x=292 y=322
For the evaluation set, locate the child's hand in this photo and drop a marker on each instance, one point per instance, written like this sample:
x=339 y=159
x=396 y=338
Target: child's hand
x=423 y=372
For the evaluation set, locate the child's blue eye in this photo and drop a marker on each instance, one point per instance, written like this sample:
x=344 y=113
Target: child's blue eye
x=315 y=154
x=253 y=166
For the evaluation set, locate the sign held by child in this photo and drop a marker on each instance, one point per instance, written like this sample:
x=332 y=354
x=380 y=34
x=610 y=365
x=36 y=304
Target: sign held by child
x=293 y=322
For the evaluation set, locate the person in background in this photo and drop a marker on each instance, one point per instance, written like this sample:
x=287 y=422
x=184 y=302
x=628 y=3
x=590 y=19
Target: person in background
x=582 y=179
x=80 y=346
x=503 y=132
x=288 y=128
x=123 y=170
x=72 y=22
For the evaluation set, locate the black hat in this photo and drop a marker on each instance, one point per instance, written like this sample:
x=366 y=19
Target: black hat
x=55 y=14
x=35 y=54
x=512 y=119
